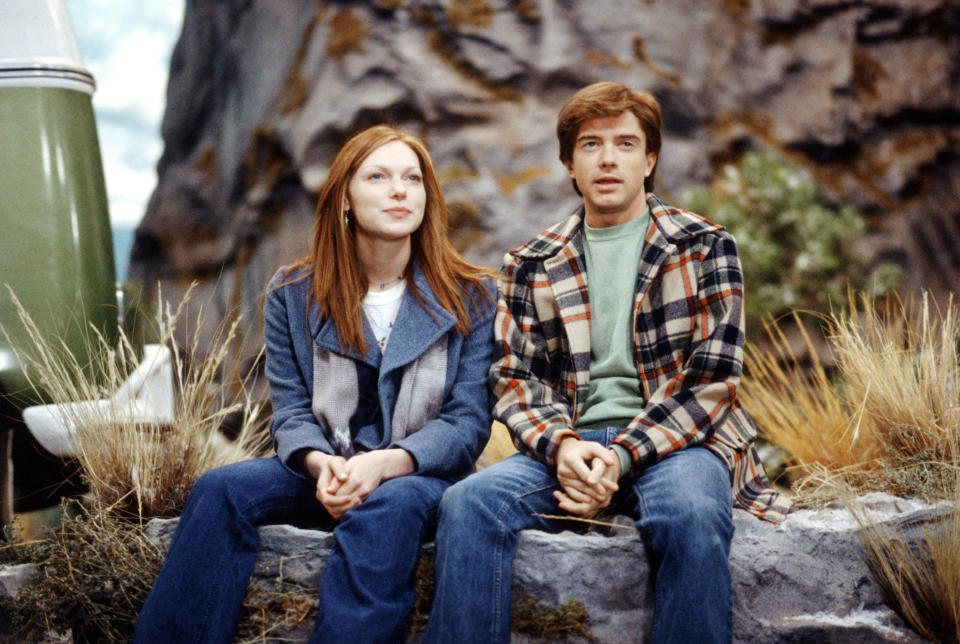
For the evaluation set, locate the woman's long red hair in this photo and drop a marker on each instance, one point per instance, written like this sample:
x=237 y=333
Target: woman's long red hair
x=339 y=283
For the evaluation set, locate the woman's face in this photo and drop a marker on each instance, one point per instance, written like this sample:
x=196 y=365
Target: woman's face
x=386 y=193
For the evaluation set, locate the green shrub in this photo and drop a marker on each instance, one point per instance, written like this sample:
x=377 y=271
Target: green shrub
x=797 y=251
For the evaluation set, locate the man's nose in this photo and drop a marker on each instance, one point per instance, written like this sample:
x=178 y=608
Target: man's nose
x=608 y=156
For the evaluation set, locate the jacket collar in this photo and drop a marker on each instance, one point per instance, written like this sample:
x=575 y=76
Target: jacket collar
x=560 y=248
x=672 y=226
x=415 y=330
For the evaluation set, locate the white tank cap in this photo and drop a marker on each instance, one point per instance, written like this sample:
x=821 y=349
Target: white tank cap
x=38 y=47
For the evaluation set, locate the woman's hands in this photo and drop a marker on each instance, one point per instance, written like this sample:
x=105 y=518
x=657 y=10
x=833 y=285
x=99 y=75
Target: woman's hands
x=345 y=483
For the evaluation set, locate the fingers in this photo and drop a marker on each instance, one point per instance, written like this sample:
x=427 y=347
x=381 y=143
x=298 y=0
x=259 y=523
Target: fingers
x=588 y=467
x=335 y=503
x=583 y=458
x=598 y=492
x=586 y=495
x=585 y=509
x=345 y=484
x=597 y=469
x=579 y=495
x=337 y=474
x=338 y=506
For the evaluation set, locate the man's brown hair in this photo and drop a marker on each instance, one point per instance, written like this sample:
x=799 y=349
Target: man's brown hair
x=609 y=99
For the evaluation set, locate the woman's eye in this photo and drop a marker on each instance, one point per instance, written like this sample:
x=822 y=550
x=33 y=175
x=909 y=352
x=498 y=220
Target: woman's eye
x=414 y=178
x=376 y=175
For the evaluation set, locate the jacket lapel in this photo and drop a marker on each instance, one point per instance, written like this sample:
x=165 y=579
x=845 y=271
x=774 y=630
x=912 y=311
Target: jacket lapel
x=417 y=327
x=567 y=274
x=326 y=337
x=656 y=249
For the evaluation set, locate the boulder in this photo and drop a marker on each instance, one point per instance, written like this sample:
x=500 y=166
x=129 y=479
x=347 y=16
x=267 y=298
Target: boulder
x=802 y=581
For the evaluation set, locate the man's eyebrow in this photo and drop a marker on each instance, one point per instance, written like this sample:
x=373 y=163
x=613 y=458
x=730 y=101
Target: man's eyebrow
x=625 y=135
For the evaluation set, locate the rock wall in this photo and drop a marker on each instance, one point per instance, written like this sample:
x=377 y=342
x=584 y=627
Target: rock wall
x=865 y=94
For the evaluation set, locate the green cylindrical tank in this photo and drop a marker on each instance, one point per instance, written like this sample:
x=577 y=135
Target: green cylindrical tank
x=56 y=251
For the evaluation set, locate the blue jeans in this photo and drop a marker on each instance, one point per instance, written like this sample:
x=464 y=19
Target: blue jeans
x=367 y=586
x=682 y=507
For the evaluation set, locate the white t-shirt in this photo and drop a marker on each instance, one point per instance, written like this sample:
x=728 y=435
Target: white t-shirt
x=381 y=308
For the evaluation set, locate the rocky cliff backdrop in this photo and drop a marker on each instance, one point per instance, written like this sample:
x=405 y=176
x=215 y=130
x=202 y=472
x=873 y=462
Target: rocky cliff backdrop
x=865 y=94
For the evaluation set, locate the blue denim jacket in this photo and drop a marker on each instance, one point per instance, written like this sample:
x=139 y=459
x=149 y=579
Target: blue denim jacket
x=445 y=446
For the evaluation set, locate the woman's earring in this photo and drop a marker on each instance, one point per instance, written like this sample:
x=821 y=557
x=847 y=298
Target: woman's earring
x=346 y=216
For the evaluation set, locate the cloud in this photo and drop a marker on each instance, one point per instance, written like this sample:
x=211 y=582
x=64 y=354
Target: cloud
x=127 y=47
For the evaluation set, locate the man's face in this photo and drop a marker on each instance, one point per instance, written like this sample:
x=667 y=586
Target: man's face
x=610 y=163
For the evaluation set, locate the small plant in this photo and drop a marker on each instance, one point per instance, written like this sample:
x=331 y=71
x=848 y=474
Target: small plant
x=888 y=419
x=920 y=580
x=568 y=619
x=797 y=252
x=93 y=580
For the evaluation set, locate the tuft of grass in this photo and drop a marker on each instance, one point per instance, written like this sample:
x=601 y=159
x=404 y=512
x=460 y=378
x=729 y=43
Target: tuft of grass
x=271 y=613
x=920 y=579
x=568 y=619
x=886 y=419
x=145 y=469
x=96 y=574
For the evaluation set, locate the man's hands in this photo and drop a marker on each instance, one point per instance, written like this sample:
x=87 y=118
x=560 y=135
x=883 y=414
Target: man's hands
x=343 y=484
x=588 y=473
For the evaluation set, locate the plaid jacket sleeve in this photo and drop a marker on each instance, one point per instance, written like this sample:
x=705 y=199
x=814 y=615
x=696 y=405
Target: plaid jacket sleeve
x=691 y=347
x=537 y=415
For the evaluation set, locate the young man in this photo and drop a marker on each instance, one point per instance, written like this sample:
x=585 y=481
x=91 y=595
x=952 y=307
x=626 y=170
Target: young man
x=619 y=346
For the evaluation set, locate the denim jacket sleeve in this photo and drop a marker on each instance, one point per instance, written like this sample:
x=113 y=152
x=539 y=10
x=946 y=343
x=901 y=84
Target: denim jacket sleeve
x=289 y=371
x=449 y=445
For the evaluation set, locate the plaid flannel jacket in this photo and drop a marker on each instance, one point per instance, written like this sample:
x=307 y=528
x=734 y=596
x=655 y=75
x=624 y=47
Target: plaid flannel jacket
x=688 y=341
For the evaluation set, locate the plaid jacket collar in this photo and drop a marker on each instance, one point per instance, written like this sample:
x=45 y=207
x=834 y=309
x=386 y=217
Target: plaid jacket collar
x=672 y=227
x=562 y=245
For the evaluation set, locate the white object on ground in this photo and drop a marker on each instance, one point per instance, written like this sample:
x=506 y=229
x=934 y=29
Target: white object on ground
x=145 y=397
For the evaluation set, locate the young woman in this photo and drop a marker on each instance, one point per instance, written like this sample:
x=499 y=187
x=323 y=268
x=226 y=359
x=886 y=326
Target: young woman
x=378 y=345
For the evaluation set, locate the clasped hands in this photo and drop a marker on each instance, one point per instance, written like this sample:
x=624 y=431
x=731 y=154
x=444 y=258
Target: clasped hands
x=588 y=473
x=345 y=483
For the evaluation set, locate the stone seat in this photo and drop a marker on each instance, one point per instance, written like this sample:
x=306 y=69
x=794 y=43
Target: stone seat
x=802 y=581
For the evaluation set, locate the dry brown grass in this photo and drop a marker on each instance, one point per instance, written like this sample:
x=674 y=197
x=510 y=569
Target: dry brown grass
x=144 y=469
x=920 y=579
x=93 y=580
x=888 y=418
